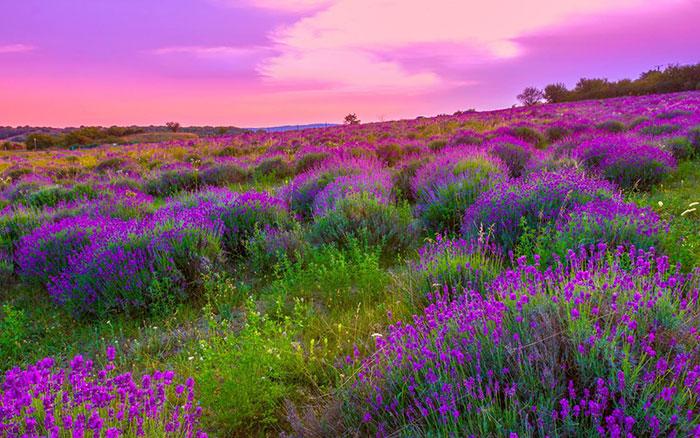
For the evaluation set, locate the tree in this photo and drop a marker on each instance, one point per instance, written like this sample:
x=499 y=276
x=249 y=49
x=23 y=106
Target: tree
x=173 y=126
x=530 y=96
x=40 y=141
x=554 y=93
x=351 y=119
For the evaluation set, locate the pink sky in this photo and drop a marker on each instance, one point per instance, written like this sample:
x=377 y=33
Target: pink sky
x=270 y=62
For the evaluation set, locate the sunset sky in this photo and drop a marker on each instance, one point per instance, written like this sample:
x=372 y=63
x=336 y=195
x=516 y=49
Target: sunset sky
x=270 y=62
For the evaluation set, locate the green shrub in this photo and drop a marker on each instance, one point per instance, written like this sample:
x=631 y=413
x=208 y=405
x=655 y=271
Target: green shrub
x=660 y=129
x=307 y=161
x=276 y=167
x=436 y=145
x=363 y=218
x=529 y=135
x=13 y=330
x=681 y=148
x=612 y=126
x=223 y=174
x=556 y=133
x=171 y=182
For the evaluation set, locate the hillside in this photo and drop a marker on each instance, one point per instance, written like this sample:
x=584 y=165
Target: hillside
x=530 y=271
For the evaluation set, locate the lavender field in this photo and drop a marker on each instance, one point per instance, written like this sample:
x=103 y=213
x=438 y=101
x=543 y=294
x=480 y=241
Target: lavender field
x=532 y=271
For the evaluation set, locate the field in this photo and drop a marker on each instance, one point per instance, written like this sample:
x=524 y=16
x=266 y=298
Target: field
x=532 y=271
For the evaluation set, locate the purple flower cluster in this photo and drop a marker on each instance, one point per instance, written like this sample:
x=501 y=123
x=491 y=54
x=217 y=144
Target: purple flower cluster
x=43 y=400
x=377 y=184
x=607 y=344
x=448 y=266
x=610 y=221
x=446 y=186
x=537 y=201
x=301 y=192
x=625 y=160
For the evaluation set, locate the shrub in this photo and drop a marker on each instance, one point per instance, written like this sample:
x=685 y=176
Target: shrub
x=14 y=325
x=437 y=145
x=625 y=161
x=269 y=247
x=451 y=266
x=614 y=126
x=465 y=137
x=44 y=400
x=611 y=222
x=223 y=174
x=302 y=190
x=446 y=186
x=556 y=133
x=50 y=196
x=528 y=134
x=681 y=148
x=515 y=156
x=403 y=177
x=141 y=265
x=390 y=153
x=672 y=114
x=45 y=252
x=173 y=181
x=657 y=129
x=361 y=217
x=248 y=213
x=600 y=345
x=276 y=167
x=309 y=161
x=534 y=203
x=641 y=168
x=694 y=138
x=377 y=184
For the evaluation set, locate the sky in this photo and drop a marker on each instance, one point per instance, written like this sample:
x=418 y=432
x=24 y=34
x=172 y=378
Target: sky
x=252 y=63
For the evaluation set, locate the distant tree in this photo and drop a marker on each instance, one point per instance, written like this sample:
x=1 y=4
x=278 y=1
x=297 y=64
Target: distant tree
x=221 y=130
x=351 y=119
x=554 y=93
x=530 y=96
x=39 y=141
x=173 y=126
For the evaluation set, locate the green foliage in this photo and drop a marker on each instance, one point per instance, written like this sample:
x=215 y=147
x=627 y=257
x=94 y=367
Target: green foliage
x=556 y=133
x=307 y=161
x=223 y=174
x=362 y=217
x=612 y=126
x=338 y=278
x=276 y=167
x=662 y=129
x=671 y=79
x=675 y=200
x=171 y=182
x=436 y=145
x=681 y=148
x=37 y=142
x=13 y=330
x=529 y=135
x=244 y=376
x=267 y=248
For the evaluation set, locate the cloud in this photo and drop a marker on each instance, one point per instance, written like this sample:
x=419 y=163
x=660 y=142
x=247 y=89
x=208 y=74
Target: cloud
x=16 y=48
x=343 y=70
x=365 y=44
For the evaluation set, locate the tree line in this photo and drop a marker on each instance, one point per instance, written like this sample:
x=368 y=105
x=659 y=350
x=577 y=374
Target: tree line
x=673 y=78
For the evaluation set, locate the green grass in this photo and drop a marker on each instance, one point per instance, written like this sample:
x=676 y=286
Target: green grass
x=672 y=200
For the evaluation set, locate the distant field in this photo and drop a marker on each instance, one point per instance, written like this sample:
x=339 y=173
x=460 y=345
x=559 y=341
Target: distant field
x=531 y=271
